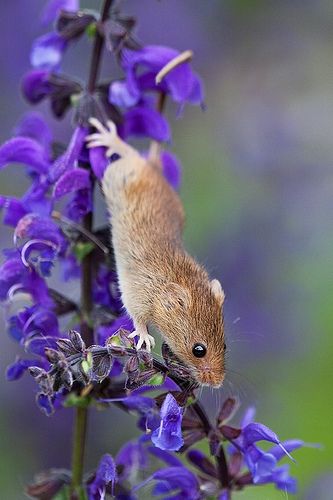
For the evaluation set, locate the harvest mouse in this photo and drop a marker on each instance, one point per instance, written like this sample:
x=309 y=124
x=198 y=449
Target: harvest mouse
x=160 y=283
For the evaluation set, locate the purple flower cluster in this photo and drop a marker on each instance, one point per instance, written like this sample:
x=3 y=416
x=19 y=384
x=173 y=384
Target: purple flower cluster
x=54 y=241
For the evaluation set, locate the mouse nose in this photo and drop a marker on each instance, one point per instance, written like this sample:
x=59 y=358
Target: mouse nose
x=211 y=377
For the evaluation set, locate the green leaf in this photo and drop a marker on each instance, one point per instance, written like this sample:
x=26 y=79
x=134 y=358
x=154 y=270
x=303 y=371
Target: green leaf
x=81 y=249
x=91 y=30
x=74 y=400
x=87 y=364
x=157 y=379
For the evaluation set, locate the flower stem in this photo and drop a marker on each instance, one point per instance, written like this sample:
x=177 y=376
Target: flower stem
x=97 y=49
x=79 y=442
x=81 y=417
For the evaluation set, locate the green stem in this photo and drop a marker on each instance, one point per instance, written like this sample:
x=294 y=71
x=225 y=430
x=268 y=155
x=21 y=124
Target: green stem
x=81 y=416
x=79 y=442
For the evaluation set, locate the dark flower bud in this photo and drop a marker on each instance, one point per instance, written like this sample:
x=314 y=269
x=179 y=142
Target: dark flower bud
x=235 y=463
x=66 y=346
x=47 y=484
x=201 y=462
x=54 y=356
x=117 y=33
x=142 y=379
x=214 y=444
x=230 y=432
x=63 y=305
x=192 y=437
x=77 y=341
x=131 y=365
x=229 y=407
x=146 y=358
x=71 y=25
x=42 y=378
x=101 y=363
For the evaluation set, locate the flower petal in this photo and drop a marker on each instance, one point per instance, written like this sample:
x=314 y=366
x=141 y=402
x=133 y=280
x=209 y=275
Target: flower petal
x=33 y=125
x=146 y=122
x=24 y=150
x=13 y=210
x=168 y=435
x=72 y=180
x=98 y=161
x=106 y=473
x=120 y=95
x=69 y=159
x=36 y=85
x=171 y=169
x=17 y=369
x=47 y=51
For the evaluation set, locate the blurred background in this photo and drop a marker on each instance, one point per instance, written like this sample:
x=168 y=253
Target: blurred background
x=258 y=194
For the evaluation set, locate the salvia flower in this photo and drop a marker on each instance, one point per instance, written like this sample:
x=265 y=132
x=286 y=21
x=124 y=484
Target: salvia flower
x=181 y=83
x=168 y=435
x=106 y=474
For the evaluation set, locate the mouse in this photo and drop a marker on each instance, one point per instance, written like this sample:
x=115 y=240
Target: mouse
x=161 y=284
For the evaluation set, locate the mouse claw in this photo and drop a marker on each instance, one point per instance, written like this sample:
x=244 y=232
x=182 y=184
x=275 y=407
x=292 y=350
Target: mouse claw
x=144 y=338
x=104 y=137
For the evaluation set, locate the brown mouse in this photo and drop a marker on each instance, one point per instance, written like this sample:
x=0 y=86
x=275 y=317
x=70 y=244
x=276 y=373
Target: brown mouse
x=160 y=283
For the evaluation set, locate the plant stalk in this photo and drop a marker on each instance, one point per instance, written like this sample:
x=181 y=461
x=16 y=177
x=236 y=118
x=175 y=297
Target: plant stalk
x=81 y=416
x=79 y=441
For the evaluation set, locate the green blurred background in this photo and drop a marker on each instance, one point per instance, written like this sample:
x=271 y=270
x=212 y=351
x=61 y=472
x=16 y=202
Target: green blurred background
x=258 y=193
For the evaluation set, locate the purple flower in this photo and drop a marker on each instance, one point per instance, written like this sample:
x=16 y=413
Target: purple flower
x=171 y=169
x=98 y=161
x=181 y=83
x=17 y=369
x=40 y=241
x=24 y=150
x=33 y=125
x=178 y=481
x=15 y=277
x=32 y=320
x=168 y=436
x=143 y=121
x=72 y=180
x=131 y=458
x=68 y=160
x=106 y=293
x=53 y=8
x=36 y=85
x=105 y=474
x=47 y=51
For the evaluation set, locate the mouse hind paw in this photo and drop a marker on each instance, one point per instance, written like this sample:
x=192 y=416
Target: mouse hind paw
x=107 y=136
x=144 y=338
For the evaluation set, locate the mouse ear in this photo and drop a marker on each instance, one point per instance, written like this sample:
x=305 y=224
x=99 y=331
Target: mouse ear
x=217 y=290
x=174 y=296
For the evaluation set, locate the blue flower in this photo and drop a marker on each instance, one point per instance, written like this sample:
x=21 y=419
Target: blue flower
x=106 y=474
x=177 y=481
x=142 y=121
x=182 y=84
x=47 y=51
x=171 y=168
x=168 y=436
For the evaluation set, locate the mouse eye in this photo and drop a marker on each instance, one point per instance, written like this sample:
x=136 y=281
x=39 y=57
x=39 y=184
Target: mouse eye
x=224 y=347
x=199 y=350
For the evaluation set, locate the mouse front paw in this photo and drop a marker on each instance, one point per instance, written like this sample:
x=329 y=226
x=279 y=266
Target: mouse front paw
x=104 y=137
x=144 y=338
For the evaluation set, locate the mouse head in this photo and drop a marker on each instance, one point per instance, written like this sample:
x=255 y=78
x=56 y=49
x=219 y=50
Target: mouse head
x=192 y=322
